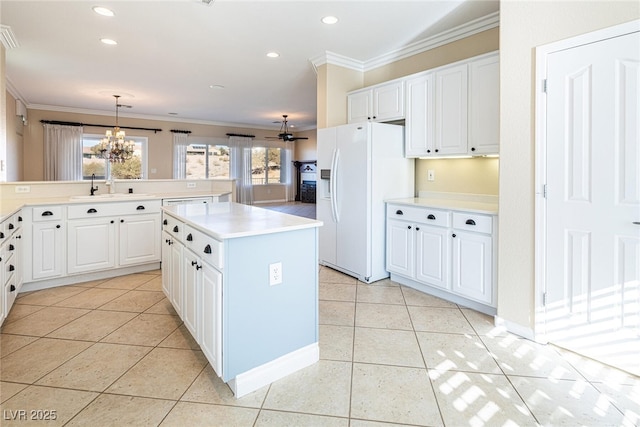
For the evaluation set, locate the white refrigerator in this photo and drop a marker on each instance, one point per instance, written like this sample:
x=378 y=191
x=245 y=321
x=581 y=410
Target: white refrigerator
x=359 y=167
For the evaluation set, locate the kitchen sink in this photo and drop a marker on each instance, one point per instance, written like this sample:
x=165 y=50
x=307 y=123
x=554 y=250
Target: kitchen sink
x=112 y=196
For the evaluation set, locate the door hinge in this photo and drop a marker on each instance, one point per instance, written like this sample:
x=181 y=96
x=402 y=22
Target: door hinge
x=544 y=85
x=544 y=191
x=544 y=299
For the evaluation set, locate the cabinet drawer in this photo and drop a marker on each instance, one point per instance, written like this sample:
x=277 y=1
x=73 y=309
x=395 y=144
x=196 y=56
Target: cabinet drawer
x=174 y=227
x=47 y=213
x=473 y=222
x=430 y=216
x=98 y=209
x=206 y=247
x=140 y=207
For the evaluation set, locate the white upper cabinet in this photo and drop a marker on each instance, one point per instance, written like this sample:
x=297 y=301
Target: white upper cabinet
x=484 y=105
x=419 y=116
x=379 y=103
x=451 y=110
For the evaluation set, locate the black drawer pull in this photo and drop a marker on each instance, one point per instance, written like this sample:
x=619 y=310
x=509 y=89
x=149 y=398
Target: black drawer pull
x=12 y=288
x=399 y=212
x=165 y=222
x=431 y=216
x=92 y=210
x=194 y=262
x=453 y=235
x=11 y=247
x=1 y=235
x=175 y=229
x=207 y=249
x=198 y=267
x=140 y=208
x=189 y=238
x=58 y=226
x=11 y=267
x=11 y=227
x=470 y=222
x=47 y=213
x=19 y=219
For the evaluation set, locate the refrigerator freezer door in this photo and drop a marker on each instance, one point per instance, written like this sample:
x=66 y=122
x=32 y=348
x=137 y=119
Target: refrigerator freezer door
x=324 y=211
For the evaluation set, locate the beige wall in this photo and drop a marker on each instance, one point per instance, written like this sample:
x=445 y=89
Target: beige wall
x=471 y=176
x=523 y=26
x=306 y=149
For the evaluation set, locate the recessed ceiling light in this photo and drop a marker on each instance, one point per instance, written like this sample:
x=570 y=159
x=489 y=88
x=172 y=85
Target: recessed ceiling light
x=109 y=41
x=173 y=114
x=329 y=20
x=216 y=87
x=103 y=11
x=273 y=54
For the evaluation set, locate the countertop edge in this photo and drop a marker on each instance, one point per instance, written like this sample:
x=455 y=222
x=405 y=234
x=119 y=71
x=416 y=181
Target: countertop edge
x=449 y=204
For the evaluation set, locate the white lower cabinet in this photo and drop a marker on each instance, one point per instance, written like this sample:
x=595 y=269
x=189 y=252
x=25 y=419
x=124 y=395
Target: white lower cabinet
x=10 y=262
x=91 y=245
x=192 y=288
x=448 y=251
x=47 y=252
x=139 y=239
x=210 y=326
x=177 y=278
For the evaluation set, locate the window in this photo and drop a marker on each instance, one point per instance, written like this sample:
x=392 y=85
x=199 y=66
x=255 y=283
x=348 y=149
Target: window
x=206 y=161
x=134 y=168
x=265 y=165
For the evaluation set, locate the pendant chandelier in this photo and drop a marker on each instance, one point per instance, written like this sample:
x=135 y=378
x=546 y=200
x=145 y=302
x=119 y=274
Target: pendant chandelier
x=113 y=146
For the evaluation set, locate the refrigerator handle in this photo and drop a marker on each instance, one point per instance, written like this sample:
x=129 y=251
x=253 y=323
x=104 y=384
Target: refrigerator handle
x=334 y=185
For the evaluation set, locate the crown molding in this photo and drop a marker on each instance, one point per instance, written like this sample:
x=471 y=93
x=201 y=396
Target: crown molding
x=457 y=33
x=7 y=37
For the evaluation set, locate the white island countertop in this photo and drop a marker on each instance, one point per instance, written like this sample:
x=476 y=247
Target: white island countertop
x=228 y=220
x=475 y=206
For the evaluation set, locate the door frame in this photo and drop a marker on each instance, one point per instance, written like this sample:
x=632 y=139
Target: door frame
x=540 y=180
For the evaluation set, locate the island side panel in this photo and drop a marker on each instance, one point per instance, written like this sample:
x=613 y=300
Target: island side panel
x=263 y=322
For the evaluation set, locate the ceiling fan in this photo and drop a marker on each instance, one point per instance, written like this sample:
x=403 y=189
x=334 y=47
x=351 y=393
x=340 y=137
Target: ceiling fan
x=284 y=134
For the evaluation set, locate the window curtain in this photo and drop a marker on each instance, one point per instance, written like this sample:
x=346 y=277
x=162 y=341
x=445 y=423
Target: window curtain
x=62 y=153
x=180 y=143
x=288 y=170
x=241 y=168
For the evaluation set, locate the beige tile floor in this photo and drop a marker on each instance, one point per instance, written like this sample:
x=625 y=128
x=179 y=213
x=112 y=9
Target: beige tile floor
x=113 y=353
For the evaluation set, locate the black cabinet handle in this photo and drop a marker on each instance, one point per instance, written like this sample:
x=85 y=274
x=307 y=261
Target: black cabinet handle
x=58 y=226
x=194 y=262
x=473 y=148
x=399 y=212
x=428 y=151
x=11 y=227
x=470 y=222
x=19 y=219
x=19 y=236
x=437 y=150
x=165 y=222
x=207 y=249
x=92 y=210
x=408 y=227
x=12 y=288
x=11 y=267
x=112 y=221
x=1 y=235
x=122 y=220
x=417 y=228
x=140 y=208
x=431 y=216
x=47 y=213
x=453 y=235
x=175 y=229
x=170 y=242
x=189 y=238
x=11 y=247
x=198 y=267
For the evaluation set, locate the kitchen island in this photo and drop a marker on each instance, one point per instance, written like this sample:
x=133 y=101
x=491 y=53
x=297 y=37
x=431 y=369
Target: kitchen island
x=245 y=282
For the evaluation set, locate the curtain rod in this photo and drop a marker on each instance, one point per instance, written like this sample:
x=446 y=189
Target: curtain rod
x=56 y=122
x=241 y=135
x=180 y=131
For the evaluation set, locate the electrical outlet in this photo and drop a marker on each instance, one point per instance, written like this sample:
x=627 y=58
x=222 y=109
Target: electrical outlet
x=23 y=189
x=431 y=175
x=191 y=185
x=275 y=273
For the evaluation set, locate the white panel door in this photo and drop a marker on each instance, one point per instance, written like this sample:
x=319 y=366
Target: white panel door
x=593 y=200
x=432 y=255
x=211 y=317
x=400 y=247
x=91 y=245
x=451 y=110
x=139 y=239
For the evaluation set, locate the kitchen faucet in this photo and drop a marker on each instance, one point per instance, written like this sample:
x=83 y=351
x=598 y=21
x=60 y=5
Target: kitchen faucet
x=93 y=189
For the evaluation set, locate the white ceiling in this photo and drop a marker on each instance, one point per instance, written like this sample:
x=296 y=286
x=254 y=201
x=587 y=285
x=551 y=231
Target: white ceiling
x=169 y=53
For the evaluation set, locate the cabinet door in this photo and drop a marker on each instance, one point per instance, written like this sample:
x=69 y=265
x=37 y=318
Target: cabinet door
x=192 y=281
x=359 y=107
x=400 y=247
x=47 y=250
x=166 y=265
x=388 y=102
x=451 y=110
x=419 y=116
x=471 y=261
x=90 y=245
x=432 y=255
x=484 y=106
x=177 y=276
x=211 y=317
x=139 y=238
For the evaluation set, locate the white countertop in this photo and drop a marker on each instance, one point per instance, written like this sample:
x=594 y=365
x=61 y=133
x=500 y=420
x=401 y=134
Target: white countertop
x=452 y=204
x=228 y=220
